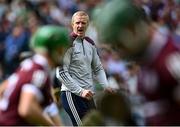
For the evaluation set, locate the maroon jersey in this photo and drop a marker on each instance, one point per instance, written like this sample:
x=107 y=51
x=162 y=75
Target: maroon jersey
x=159 y=83
x=32 y=75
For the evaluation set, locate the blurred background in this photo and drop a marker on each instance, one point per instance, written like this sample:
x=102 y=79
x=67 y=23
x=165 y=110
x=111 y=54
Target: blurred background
x=19 y=19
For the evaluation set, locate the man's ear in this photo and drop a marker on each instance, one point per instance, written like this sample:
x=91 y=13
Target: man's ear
x=71 y=26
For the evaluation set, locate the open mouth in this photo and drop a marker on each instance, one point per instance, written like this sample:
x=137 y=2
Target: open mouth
x=80 y=31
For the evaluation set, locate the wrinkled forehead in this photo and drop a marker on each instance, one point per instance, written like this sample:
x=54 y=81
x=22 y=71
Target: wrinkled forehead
x=78 y=18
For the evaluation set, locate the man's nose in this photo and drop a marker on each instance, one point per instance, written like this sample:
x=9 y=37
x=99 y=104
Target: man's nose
x=80 y=24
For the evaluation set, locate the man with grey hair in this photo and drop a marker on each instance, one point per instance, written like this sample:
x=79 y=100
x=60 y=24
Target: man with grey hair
x=81 y=64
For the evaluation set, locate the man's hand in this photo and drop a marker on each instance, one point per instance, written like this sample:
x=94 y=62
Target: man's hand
x=88 y=94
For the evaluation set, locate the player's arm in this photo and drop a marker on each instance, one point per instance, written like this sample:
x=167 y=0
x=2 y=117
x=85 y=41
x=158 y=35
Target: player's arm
x=29 y=107
x=3 y=86
x=172 y=64
x=53 y=113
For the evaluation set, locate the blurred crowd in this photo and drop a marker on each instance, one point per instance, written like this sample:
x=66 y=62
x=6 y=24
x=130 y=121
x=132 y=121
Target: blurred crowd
x=19 y=19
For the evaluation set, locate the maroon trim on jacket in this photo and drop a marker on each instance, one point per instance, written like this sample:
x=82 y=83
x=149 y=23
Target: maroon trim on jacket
x=88 y=39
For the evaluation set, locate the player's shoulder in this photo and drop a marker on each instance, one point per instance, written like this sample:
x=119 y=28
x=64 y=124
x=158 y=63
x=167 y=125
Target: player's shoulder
x=31 y=64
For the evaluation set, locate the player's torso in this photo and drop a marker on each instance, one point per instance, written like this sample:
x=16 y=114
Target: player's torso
x=159 y=81
x=26 y=74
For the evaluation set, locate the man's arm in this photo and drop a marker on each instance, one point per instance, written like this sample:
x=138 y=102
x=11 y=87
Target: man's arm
x=3 y=86
x=98 y=69
x=29 y=107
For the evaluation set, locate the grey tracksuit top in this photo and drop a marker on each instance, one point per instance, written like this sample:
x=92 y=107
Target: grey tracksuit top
x=81 y=64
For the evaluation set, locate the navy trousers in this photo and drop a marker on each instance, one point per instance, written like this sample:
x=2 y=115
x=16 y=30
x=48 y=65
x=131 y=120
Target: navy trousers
x=76 y=106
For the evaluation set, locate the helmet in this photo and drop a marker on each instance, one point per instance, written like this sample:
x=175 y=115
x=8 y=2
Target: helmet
x=113 y=17
x=49 y=38
x=123 y=26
